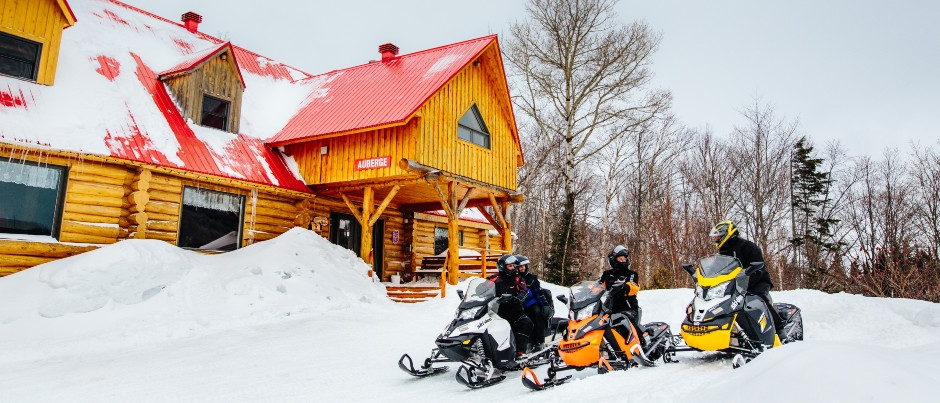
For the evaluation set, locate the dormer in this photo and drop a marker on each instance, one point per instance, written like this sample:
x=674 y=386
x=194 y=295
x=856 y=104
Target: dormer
x=208 y=88
x=29 y=41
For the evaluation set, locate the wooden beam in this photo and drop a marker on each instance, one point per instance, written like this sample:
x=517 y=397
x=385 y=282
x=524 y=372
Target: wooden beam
x=444 y=202
x=491 y=219
x=381 y=208
x=352 y=208
x=463 y=203
x=499 y=213
x=365 y=246
x=419 y=207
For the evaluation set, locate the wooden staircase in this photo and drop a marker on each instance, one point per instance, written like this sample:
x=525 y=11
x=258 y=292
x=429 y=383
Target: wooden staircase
x=410 y=294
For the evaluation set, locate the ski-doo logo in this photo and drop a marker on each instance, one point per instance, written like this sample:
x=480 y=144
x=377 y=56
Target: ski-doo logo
x=736 y=302
x=488 y=320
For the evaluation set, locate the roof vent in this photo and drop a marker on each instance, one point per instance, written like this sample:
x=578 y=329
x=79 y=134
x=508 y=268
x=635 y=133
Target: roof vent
x=191 y=21
x=388 y=51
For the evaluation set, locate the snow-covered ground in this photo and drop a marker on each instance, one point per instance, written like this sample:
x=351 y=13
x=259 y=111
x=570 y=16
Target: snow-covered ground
x=296 y=319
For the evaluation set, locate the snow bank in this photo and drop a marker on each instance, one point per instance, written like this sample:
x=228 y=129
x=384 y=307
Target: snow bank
x=143 y=285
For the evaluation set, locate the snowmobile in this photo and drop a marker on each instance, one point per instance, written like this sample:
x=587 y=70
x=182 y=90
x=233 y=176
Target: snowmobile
x=590 y=338
x=723 y=317
x=479 y=339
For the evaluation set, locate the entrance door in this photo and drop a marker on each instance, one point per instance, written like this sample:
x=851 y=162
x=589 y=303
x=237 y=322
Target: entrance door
x=345 y=231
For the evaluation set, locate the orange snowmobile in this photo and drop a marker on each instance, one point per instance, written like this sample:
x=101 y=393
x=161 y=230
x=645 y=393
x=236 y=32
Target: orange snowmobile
x=590 y=340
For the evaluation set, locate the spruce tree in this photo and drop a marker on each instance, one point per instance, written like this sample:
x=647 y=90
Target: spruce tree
x=561 y=263
x=812 y=231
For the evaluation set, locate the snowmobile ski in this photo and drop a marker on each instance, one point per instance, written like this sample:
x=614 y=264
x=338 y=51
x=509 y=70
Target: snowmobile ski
x=407 y=365
x=466 y=375
x=531 y=381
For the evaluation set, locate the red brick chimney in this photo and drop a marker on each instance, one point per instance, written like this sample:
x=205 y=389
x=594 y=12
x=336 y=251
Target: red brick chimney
x=388 y=51
x=191 y=21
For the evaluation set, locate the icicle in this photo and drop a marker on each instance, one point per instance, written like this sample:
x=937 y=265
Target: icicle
x=251 y=222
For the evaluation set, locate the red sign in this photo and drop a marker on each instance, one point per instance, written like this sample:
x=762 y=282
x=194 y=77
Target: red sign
x=373 y=163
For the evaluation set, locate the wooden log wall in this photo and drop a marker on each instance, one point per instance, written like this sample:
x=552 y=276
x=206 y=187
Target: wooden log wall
x=423 y=241
x=105 y=203
x=96 y=203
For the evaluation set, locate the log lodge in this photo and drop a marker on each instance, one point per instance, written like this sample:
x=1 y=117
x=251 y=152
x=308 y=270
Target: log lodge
x=118 y=124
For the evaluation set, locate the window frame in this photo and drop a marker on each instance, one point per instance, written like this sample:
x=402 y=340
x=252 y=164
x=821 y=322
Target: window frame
x=240 y=223
x=474 y=111
x=35 y=63
x=226 y=119
x=447 y=237
x=61 y=190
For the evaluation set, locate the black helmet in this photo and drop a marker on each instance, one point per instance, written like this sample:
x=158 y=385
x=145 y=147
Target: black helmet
x=618 y=250
x=507 y=260
x=722 y=232
x=523 y=262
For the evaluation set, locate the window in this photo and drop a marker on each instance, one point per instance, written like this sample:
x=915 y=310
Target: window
x=19 y=57
x=214 y=112
x=441 y=239
x=32 y=200
x=471 y=128
x=210 y=220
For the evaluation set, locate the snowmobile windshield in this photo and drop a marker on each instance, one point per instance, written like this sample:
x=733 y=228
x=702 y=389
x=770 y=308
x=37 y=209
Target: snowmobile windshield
x=717 y=265
x=585 y=292
x=479 y=292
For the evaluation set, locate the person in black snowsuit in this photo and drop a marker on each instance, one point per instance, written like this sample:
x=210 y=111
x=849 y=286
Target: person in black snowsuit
x=533 y=303
x=624 y=284
x=729 y=243
x=511 y=291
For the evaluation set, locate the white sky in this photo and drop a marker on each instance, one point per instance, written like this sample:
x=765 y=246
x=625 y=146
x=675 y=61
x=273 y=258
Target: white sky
x=861 y=72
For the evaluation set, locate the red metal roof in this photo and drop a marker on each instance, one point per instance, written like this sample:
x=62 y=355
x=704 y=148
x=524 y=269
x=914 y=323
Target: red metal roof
x=197 y=59
x=379 y=93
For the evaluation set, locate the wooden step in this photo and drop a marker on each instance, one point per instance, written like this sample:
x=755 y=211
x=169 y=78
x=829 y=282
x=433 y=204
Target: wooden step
x=412 y=293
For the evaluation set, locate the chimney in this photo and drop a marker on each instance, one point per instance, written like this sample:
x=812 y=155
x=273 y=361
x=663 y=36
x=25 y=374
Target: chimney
x=388 y=51
x=191 y=21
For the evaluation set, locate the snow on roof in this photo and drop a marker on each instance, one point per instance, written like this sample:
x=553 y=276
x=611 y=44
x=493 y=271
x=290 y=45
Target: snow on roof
x=108 y=100
x=379 y=93
x=468 y=214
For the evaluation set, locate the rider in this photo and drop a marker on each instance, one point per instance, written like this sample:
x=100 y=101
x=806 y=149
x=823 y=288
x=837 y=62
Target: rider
x=533 y=302
x=511 y=291
x=729 y=243
x=620 y=275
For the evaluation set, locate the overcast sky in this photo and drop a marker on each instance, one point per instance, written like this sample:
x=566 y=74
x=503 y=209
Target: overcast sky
x=865 y=72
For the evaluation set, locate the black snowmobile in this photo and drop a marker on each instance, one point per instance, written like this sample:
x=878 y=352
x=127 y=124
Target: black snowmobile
x=478 y=339
x=723 y=317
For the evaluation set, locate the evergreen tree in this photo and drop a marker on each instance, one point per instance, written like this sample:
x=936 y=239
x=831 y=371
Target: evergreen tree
x=561 y=263
x=812 y=231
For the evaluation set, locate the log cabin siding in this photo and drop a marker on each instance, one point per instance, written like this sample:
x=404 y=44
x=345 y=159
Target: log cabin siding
x=108 y=202
x=338 y=164
x=39 y=21
x=437 y=142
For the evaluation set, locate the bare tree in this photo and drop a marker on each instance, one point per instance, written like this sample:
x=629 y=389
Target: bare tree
x=582 y=77
x=925 y=172
x=760 y=151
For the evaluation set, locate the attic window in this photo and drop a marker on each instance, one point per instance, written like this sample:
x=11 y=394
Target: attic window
x=471 y=128
x=214 y=112
x=19 y=57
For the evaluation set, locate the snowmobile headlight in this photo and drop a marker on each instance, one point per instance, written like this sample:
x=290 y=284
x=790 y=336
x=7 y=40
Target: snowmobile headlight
x=470 y=313
x=585 y=312
x=717 y=291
